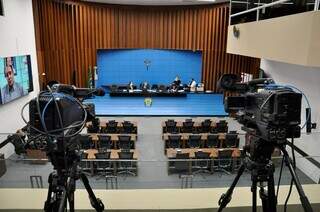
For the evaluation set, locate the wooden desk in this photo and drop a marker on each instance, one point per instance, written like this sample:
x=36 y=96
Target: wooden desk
x=113 y=156
x=171 y=153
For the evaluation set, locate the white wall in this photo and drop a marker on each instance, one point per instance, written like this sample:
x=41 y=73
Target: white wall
x=306 y=79
x=17 y=37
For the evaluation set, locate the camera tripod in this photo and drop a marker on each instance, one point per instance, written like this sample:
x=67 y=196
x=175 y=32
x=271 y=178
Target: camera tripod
x=262 y=169
x=62 y=182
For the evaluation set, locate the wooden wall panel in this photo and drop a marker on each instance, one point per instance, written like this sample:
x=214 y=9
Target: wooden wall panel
x=68 y=35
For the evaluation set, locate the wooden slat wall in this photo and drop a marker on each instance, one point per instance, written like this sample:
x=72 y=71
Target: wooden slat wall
x=69 y=34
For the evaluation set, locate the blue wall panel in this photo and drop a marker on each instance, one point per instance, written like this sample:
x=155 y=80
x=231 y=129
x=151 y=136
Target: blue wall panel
x=122 y=66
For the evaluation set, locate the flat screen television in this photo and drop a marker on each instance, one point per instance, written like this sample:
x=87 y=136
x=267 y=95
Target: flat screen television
x=15 y=77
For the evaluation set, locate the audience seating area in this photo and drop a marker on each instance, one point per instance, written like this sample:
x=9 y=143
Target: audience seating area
x=205 y=146
x=109 y=148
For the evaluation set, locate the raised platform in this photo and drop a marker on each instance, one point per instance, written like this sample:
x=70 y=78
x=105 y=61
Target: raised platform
x=147 y=94
x=194 y=104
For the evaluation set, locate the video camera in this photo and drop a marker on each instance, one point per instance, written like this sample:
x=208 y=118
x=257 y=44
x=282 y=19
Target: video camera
x=272 y=113
x=59 y=109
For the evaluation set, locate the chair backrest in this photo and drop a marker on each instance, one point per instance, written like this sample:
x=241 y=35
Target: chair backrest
x=103 y=155
x=127 y=127
x=111 y=126
x=205 y=126
x=231 y=141
x=125 y=155
x=222 y=126
x=95 y=126
x=213 y=141
x=187 y=126
x=202 y=155
x=194 y=141
x=182 y=156
x=104 y=141
x=171 y=126
x=225 y=157
x=225 y=154
x=174 y=141
x=170 y=123
x=182 y=166
x=85 y=141
x=124 y=142
x=206 y=123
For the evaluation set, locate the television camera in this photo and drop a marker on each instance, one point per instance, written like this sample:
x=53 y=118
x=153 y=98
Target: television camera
x=270 y=114
x=57 y=116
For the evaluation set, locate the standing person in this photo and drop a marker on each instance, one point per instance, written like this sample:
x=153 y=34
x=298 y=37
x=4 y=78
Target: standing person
x=192 y=85
x=130 y=86
x=12 y=89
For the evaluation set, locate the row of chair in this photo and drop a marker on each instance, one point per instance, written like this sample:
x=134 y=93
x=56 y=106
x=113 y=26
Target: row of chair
x=189 y=126
x=194 y=141
x=202 y=163
x=112 y=126
x=104 y=142
x=104 y=166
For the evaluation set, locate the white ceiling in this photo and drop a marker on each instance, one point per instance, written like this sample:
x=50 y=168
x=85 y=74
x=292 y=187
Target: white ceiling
x=158 y=2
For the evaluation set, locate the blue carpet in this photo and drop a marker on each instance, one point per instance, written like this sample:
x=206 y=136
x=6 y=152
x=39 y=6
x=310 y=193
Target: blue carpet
x=192 y=105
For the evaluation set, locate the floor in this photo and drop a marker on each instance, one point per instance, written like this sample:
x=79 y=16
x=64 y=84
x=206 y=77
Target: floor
x=152 y=165
x=191 y=105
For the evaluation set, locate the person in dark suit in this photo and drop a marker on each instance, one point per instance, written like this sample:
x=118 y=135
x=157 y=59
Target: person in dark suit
x=177 y=81
x=176 y=84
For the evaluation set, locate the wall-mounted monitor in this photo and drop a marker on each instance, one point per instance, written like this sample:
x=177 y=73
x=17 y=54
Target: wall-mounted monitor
x=15 y=77
x=1 y=8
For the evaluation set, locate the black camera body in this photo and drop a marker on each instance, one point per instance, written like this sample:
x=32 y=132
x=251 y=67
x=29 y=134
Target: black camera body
x=271 y=113
x=70 y=112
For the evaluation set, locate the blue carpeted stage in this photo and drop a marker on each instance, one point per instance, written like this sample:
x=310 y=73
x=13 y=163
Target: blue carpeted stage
x=194 y=104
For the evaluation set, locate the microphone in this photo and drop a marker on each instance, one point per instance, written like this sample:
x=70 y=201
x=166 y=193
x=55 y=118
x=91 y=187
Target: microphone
x=78 y=92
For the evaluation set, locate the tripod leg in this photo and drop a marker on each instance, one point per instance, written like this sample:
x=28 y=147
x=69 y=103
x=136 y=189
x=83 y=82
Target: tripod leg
x=254 y=195
x=63 y=201
x=71 y=201
x=95 y=202
x=303 y=198
x=71 y=187
x=268 y=198
x=272 y=203
x=226 y=197
x=48 y=204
